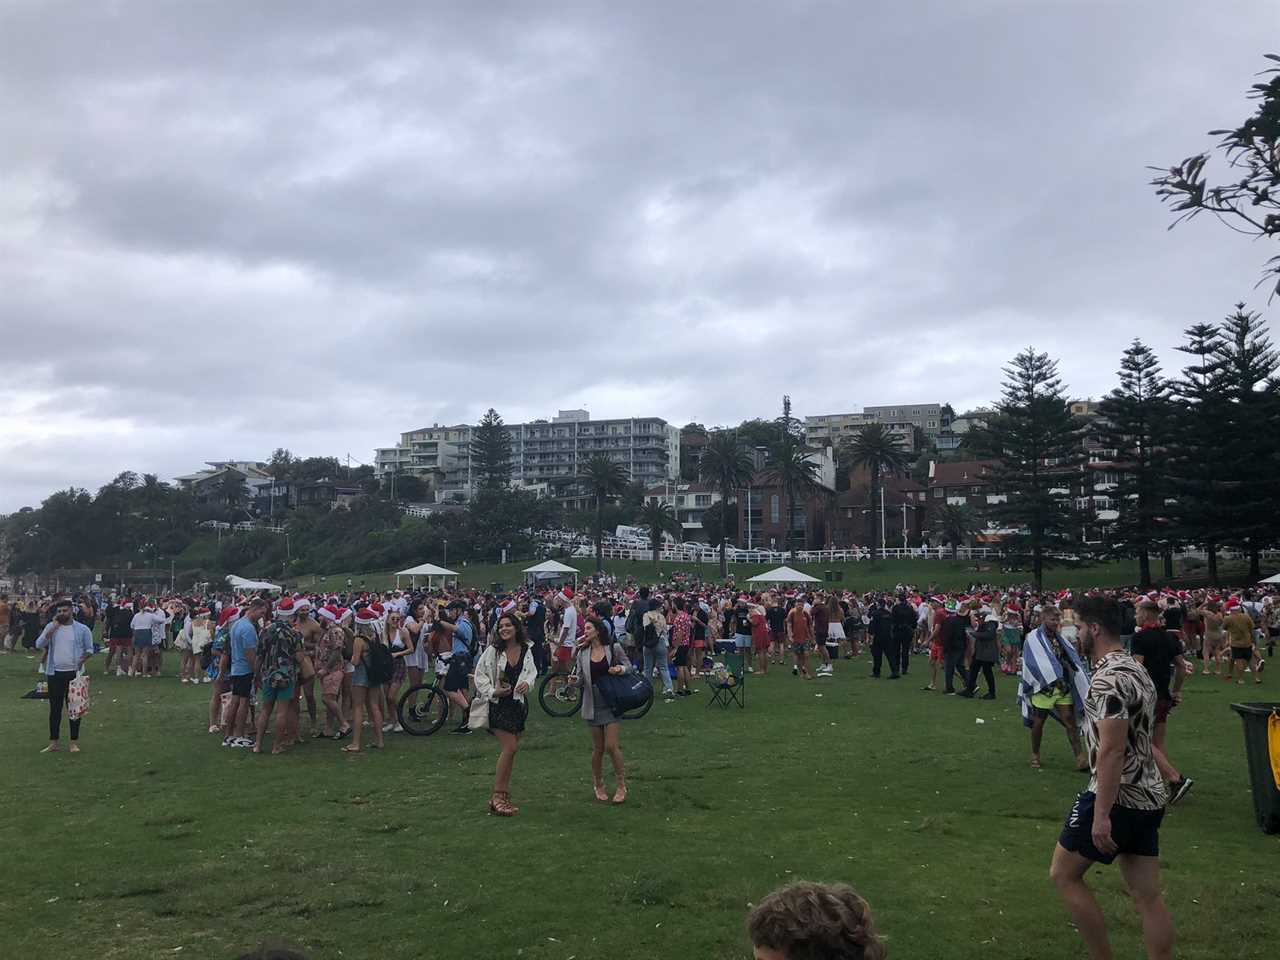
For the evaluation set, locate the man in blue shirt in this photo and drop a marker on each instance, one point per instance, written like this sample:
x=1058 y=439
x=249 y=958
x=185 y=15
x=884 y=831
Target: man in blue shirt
x=461 y=632
x=67 y=643
x=243 y=646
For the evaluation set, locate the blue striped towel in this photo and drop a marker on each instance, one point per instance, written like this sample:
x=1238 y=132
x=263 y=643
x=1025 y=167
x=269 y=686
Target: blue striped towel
x=1041 y=670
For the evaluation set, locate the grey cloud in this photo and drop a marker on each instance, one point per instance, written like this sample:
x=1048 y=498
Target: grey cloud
x=316 y=224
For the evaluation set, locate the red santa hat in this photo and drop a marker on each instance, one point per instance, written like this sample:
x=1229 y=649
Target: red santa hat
x=567 y=592
x=329 y=613
x=367 y=615
x=228 y=614
x=379 y=610
x=286 y=608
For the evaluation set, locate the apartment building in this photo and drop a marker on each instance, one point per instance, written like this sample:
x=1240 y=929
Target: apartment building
x=545 y=454
x=833 y=429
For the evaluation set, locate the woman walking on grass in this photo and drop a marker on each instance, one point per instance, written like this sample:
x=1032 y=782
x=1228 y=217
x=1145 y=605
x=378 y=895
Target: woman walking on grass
x=402 y=646
x=598 y=658
x=331 y=671
x=504 y=674
x=365 y=694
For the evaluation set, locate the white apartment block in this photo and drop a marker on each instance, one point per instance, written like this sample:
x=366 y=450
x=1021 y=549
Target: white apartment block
x=545 y=454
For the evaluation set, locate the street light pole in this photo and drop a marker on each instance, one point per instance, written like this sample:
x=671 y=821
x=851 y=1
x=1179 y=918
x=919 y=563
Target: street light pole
x=445 y=563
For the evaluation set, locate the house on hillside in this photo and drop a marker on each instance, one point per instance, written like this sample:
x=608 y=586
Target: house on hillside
x=209 y=485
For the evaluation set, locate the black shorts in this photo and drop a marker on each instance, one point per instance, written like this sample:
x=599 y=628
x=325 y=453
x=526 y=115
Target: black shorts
x=1135 y=832
x=681 y=657
x=456 y=678
x=242 y=686
x=1242 y=653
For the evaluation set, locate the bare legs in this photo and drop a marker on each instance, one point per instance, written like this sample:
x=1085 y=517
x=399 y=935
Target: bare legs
x=605 y=740
x=1141 y=875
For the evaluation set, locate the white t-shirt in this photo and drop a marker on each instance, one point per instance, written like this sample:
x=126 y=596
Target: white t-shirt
x=569 y=628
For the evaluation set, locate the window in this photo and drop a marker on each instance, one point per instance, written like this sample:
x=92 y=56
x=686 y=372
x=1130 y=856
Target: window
x=702 y=500
x=774 y=509
x=937 y=493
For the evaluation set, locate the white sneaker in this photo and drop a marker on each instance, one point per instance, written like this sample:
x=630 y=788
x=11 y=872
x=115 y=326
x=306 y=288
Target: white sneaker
x=208 y=680
x=120 y=672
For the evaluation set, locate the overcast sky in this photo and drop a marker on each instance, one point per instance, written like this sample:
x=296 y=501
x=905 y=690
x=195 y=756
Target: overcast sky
x=230 y=226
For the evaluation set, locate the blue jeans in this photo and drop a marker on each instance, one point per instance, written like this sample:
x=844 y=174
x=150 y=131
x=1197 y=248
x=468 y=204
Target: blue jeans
x=657 y=657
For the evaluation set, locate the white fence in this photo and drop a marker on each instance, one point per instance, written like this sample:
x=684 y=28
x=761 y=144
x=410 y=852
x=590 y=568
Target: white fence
x=679 y=553
x=244 y=526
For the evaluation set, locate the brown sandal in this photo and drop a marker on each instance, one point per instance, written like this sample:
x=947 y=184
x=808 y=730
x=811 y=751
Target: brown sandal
x=600 y=792
x=500 y=805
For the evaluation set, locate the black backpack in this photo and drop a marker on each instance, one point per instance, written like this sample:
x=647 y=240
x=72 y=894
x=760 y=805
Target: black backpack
x=650 y=635
x=380 y=664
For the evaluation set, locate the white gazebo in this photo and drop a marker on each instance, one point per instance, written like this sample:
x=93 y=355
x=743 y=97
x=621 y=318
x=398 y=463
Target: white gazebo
x=553 y=567
x=429 y=570
x=240 y=583
x=1275 y=579
x=783 y=575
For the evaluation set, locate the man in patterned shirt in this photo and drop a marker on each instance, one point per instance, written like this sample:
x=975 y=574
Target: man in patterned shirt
x=1119 y=815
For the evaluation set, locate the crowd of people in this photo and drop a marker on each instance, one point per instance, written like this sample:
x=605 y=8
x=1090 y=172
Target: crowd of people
x=1108 y=665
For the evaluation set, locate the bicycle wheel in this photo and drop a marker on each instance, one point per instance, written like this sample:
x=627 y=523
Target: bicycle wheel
x=558 y=696
x=637 y=712
x=423 y=709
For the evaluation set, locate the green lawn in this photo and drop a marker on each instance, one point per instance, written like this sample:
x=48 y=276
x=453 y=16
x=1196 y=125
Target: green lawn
x=948 y=574
x=156 y=842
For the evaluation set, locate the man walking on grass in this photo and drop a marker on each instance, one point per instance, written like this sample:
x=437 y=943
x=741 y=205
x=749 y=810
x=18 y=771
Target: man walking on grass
x=1118 y=816
x=1054 y=684
x=243 y=647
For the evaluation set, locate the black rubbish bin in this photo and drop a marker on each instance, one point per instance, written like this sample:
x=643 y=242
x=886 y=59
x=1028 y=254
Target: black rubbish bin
x=1266 y=796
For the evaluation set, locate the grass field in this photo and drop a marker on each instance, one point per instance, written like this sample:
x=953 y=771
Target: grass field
x=156 y=842
x=947 y=574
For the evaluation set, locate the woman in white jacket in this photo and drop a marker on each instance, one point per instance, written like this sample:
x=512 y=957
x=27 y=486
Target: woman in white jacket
x=504 y=676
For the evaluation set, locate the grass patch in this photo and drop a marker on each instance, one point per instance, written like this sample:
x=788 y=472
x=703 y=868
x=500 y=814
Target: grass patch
x=154 y=838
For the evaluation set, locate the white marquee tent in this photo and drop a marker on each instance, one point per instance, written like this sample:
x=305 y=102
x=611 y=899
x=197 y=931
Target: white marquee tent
x=240 y=583
x=429 y=570
x=552 y=567
x=1275 y=579
x=783 y=575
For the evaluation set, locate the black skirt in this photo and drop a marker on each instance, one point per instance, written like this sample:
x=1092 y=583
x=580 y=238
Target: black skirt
x=508 y=714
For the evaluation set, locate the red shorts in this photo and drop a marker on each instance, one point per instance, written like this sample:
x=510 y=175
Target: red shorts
x=116 y=642
x=935 y=653
x=761 y=641
x=564 y=654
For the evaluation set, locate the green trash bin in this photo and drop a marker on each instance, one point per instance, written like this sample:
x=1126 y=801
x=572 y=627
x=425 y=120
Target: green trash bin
x=1266 y=797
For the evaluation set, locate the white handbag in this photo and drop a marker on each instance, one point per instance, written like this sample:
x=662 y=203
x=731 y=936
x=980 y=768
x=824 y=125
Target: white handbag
x=478 y=717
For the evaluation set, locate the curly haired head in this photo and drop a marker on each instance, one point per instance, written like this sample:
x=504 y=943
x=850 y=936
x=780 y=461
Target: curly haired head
x=815 y=921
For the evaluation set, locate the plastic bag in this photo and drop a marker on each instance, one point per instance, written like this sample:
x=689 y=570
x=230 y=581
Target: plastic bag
x=78 y=697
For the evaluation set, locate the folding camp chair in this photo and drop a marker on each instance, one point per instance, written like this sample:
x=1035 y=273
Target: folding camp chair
x=734 y=688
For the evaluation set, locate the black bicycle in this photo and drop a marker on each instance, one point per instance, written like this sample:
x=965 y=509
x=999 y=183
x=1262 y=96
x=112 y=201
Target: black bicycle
x=423 y=708
x=561 y=696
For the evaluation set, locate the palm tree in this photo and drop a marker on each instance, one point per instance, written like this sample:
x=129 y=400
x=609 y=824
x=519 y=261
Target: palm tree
x=954 y=524
x=792 y=469
x=658 y=518
x=605 y=479
x=725 y=465
x=880 y=452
